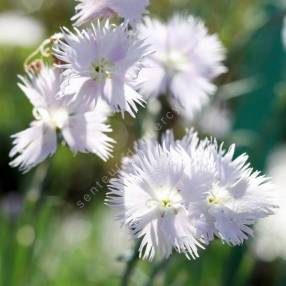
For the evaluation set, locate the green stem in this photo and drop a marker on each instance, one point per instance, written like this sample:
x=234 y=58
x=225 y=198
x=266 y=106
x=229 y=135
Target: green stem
x=44 y=50
x=32 y=200
x=233 y=265
x=130 y=266
x=156 y=270
x=35 y=190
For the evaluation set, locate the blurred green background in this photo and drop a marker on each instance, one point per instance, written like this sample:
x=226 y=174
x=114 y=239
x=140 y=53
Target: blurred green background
x=54 y=227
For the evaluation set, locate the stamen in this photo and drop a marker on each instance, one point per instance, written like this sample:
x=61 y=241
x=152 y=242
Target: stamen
x=213 y=200
x=101 y=70
x=166 y=203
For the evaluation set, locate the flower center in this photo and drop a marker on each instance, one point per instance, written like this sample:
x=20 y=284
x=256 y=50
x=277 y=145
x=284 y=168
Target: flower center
x=55 y=118
x=218 y=195
x=174 y=61
x=59 y=118
x=212 y=200
x=166 y=201
x=101 y=70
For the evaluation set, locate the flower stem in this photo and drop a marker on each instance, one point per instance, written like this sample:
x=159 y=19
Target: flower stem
x=44 y=50
x=36 y=188
x=156 y=270
x=130 y=266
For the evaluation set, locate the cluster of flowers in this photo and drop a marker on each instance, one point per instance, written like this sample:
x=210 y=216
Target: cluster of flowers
x=180 y=194
x=103 y=64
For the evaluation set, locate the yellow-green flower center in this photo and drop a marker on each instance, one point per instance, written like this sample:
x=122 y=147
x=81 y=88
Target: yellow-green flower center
x=212 y=200
x=56 y=118
x=174 y=61
x=166 y=203
x=101 y=70
x=166 y=200
x=218 y=195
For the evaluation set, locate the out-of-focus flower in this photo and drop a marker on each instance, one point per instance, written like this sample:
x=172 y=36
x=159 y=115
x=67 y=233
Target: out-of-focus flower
x=19 y=30
x=182 y=193
x=270 y=241
x=26 y=235
x=110 y=227
x=75 y=230
x=83 y=129
x=102 y=62
x=215 y=121
x=12 y=205
x=88 y=10
x=186 y=61
x=154 y=201
x=32 y=6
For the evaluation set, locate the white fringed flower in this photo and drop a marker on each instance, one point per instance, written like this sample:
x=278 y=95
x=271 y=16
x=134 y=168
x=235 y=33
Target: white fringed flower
x=186 y=61
x=102 y=62
x=237 y=196
x=20 y=30
x=82 y=129
x=183 y=193
x=215 y=120
x=156 y=200
x=88 y=10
